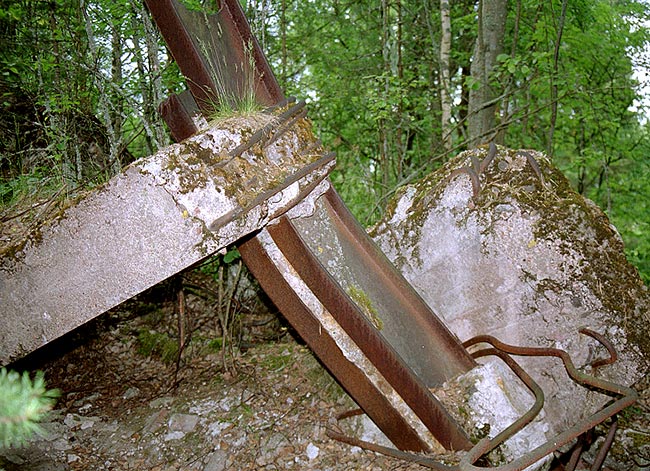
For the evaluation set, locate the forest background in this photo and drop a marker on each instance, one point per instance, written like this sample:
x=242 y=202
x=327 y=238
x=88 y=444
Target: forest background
x=395 y=87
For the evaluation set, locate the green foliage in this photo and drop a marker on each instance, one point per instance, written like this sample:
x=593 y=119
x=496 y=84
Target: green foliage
x=23 y=403
x=231 y=255
x=373 y=83
x=71 y=105
x=78 y=76
x=32 y=186
x=600 y=140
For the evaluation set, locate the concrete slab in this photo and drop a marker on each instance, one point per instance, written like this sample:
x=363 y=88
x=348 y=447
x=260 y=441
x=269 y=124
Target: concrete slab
x=163 y=214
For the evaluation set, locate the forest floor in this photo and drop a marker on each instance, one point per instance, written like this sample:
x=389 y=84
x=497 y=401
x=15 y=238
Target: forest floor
x=128 y=403
x=124 y=407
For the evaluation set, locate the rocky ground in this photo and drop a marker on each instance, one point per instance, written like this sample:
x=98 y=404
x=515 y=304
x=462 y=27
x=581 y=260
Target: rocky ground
x=126 y=404
x=129 y=401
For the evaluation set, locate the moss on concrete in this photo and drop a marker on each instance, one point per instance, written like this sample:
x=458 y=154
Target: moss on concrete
x=362 y=300
x=576 y=227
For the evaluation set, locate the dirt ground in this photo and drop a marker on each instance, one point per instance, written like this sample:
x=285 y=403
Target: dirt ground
x=130 y=401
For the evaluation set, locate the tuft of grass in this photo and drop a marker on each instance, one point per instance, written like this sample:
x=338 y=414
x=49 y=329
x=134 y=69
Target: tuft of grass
x=232 y=99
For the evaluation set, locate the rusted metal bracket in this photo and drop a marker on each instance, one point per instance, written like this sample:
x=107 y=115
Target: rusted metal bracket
x=467 y=462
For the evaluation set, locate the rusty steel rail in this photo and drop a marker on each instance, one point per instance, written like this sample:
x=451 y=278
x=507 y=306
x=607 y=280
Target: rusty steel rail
x=407 y=370
x=504 y=351
x=215 y=41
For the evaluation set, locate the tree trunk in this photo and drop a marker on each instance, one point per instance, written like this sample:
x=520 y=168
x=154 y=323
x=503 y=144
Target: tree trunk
x=482 y=96
x=401 y=143
x=283 y=42
x=500 y=137
x=384 y=151
x=105 y=91
x=160 y=136
x=445 y=80
x=115 y=104
x=556 y=58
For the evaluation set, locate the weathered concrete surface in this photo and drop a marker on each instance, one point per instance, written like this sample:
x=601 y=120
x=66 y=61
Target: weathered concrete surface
x=526 y=260
x=490 y=398
x=161 y=215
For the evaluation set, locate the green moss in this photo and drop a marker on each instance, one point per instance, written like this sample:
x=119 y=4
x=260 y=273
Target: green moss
x=362 y=300
x=639 y=439
x=151 y=343
x=277 y=362
x=215 y=345
x=479 y=433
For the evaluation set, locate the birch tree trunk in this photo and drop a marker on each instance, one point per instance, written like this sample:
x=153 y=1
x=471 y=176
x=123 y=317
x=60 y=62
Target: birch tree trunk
x=116 y=105
x=401 y=137
x=105 y=91
x=161 y=138
x=384 y=150
x=445 y=79
x=482 y=97
x=556 y=60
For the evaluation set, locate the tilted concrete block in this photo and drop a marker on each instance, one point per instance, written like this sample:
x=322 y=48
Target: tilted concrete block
x=161 y=215
x=497 y=243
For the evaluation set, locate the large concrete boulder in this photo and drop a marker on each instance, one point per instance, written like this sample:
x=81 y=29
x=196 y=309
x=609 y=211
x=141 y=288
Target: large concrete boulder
x=497 y=242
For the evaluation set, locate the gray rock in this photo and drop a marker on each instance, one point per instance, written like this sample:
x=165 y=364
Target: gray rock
x=61 y=444
x=217 y=461
x=155 y=421
x=71 y=420
x=525 y=259
x=312 y=451
x=159 y=402
x=216 y=428
x=50 y=431
x=131 y=393
x=272 y=446
x=177 y=435
x=183 y=422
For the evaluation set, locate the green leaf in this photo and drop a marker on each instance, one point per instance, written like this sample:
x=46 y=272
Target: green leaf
x=231 y=256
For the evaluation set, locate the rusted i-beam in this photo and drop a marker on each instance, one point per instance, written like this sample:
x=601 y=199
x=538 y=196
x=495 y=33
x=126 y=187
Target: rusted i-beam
x=387 y=371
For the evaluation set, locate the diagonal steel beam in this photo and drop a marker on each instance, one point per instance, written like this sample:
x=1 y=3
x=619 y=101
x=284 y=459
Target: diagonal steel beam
x=215 y=52
x=387 y=367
